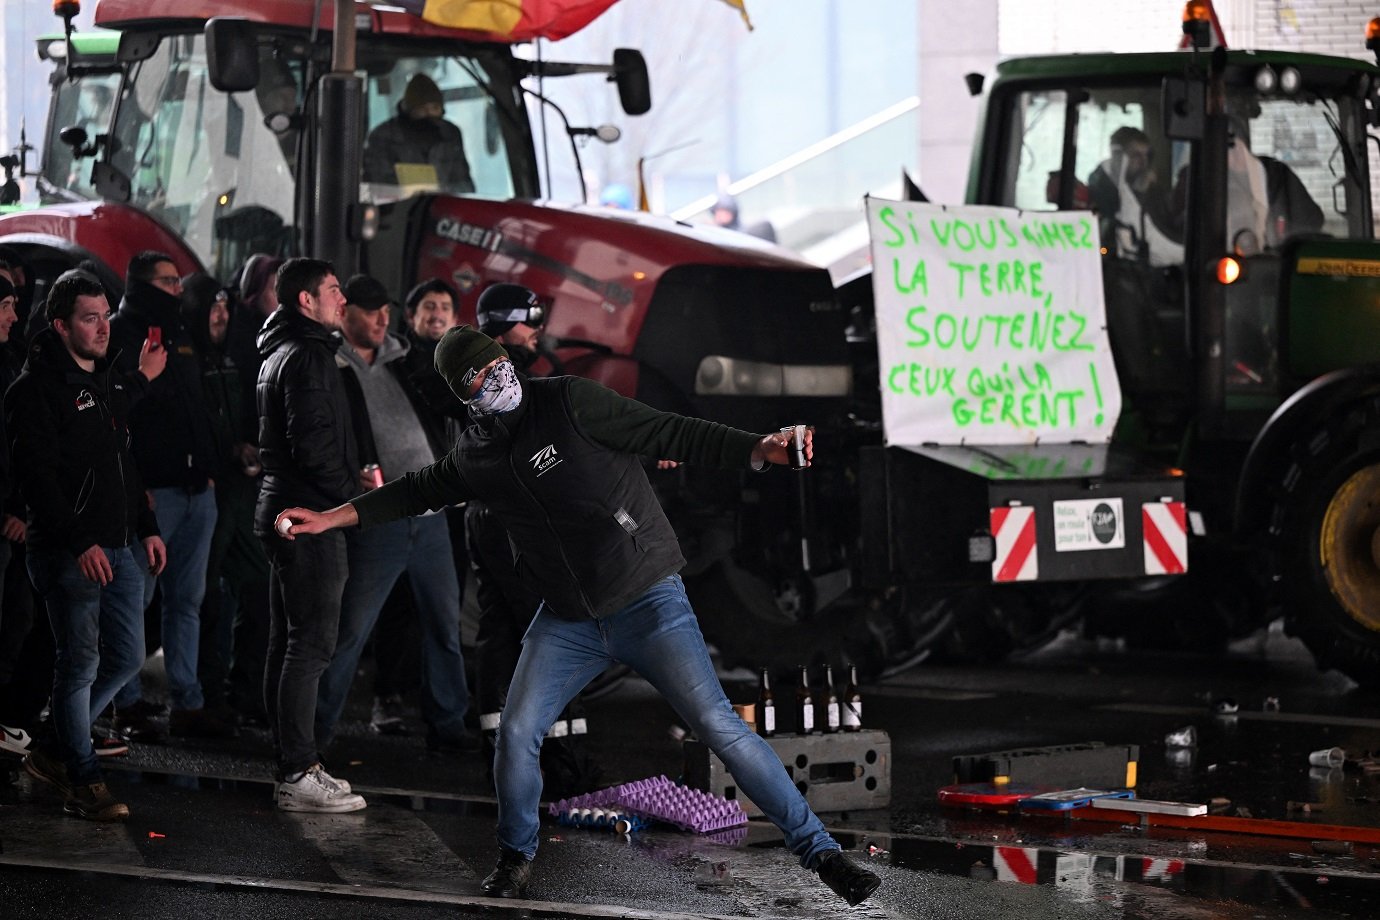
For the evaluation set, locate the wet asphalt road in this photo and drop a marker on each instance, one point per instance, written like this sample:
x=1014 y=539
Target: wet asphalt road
x=205 y=841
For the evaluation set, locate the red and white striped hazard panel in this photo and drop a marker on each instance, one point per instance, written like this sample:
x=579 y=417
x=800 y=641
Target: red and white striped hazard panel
x=1163 y=870
x=1015 y=864
x=1166 y=538
x=1013 y=529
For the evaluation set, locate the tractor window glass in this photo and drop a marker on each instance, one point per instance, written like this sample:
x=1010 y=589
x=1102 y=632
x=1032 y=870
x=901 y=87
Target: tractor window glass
x=206 y=162
x=1035 y=151
x=432 y=126
x=85 y=103
x=1288 y=172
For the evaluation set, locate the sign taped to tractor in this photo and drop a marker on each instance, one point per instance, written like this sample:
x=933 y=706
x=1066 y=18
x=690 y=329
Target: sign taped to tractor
x=990 y=325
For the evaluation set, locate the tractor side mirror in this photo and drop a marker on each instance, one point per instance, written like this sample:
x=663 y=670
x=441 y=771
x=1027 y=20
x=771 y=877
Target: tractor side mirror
x=634 y=86
x=1183 y=103
x=232 y=54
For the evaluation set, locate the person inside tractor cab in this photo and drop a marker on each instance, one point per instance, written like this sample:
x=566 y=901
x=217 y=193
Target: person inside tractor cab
x=418 y=146
x=1266 y=200
x=1137 y=218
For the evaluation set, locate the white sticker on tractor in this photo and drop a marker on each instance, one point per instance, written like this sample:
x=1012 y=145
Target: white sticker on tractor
x=1088 y=524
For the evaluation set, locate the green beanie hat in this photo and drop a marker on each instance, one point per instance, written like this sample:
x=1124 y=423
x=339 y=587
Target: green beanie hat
x=461 y=354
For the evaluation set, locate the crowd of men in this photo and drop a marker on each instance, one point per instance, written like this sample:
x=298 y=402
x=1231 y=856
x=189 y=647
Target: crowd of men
x=268 y=465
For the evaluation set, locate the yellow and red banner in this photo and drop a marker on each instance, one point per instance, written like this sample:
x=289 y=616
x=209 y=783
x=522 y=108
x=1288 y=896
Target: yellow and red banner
x=519 y=20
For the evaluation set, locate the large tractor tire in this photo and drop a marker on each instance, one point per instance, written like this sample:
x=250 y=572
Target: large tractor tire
x=1326 y=533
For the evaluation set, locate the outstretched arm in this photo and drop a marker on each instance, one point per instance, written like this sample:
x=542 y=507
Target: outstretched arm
x=292 y=522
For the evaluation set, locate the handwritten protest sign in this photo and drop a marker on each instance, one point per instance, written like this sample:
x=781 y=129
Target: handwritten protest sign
x=990 y=325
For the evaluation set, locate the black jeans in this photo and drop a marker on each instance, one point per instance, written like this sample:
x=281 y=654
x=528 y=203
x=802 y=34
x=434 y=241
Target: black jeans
x=305 y=586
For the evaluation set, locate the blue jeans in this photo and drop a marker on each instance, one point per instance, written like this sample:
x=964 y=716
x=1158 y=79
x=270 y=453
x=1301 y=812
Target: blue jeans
x=420 y=548
x=186 y=523
x=99 y=634
x=305 y=581
x=658 y=637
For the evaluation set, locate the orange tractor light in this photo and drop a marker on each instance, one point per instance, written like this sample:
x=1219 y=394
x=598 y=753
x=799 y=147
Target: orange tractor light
x=1198 y=22
x=1373 y=37
x=1228 y=270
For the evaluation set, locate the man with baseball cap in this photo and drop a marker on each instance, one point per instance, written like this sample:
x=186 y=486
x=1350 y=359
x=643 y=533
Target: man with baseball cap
x=558 y=460
x=397 y=433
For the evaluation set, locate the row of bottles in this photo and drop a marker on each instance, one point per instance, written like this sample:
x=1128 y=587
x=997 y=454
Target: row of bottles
x=832 y=713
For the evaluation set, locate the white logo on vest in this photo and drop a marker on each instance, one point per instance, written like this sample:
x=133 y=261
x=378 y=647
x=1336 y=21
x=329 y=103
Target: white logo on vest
x=544 y=459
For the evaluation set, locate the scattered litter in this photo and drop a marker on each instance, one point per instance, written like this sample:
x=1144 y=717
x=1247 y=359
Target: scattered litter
x=1332 y=847
x=876 y=850
x=1271 y=704
x=1328 y=757
x=1183 y=738
x=713 y=873
x=154 y=835
x=1219 y=803
x=1306 y=808
x=1226 y=706
x=1243 y=812
x=1322 y=880
x=602 y=819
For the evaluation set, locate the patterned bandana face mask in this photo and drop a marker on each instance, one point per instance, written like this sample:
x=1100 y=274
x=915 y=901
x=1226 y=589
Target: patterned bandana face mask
x=500 y=392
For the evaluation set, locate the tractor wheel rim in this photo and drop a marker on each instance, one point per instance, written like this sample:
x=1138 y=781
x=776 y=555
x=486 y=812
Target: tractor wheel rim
x=1347 y=546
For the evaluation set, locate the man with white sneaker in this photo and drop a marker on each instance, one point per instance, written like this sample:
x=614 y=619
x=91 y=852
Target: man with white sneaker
x=310 y=457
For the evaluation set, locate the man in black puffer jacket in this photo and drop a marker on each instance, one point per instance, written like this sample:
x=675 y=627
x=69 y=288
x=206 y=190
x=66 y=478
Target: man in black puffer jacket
x=557 y=460
x=309 y=455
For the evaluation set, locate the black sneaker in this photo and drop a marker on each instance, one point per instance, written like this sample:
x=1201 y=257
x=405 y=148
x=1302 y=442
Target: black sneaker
x=140 y=722
x=389 y=716
x=510 y=876
x=47 y=770
x=94 y=802
x=849 y=880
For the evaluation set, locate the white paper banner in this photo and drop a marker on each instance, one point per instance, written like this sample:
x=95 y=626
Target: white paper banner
x=990 y=325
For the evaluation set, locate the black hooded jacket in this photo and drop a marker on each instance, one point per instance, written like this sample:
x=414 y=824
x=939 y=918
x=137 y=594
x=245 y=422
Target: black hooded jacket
x=306 y=437
x=173 y=442
x=69 y=439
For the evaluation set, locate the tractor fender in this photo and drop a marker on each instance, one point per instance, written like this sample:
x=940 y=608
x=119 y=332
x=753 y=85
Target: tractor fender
x=1317 y=399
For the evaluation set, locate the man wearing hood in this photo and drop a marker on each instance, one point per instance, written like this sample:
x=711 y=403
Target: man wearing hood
x=398 y=434
x=91 y=535
x=175 y=450
x=310 y=457
x=418 y=146
x=234 y=613
x=559 y=461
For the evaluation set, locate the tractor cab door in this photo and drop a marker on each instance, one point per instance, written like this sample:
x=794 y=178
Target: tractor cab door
x=1099 y=148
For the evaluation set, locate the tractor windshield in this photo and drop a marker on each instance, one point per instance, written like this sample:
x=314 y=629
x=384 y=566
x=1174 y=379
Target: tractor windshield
x=1294 y=168
x=221 y=169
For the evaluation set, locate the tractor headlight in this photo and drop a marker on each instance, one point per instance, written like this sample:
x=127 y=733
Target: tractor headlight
x=719 y=375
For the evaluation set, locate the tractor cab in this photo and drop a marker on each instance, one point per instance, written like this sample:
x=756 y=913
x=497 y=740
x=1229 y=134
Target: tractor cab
x=1208 y=172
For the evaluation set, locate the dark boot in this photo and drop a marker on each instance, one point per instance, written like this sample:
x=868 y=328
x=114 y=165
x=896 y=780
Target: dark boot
x=849 y=880
x=509 y=878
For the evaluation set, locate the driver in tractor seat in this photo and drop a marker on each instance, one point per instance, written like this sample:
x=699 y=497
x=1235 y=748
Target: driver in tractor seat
x=1137 y=217
x=418 y=146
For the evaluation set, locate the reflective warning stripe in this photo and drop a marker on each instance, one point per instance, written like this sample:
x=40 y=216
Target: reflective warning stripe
x=1013 y=529
x=1015 y=864
x=1162 y=869
x=1166 y=537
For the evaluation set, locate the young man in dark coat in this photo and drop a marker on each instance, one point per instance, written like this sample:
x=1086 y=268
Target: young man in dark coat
x=91 y=535
x=558 y=461
x=309 y=455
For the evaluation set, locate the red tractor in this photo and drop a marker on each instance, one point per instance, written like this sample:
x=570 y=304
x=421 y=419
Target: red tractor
x=213 y=129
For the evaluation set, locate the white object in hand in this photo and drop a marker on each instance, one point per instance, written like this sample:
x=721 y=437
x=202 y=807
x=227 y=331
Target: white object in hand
x=285 y=526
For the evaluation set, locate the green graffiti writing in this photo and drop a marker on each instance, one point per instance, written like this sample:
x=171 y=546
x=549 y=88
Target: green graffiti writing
x=1015 y=277
x=1035 y=330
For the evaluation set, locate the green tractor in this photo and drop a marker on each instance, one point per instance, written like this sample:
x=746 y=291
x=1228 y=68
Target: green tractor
x=1242 y=290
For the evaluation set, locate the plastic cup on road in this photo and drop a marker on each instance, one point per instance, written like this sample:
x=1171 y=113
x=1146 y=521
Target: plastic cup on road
x=1327 y=757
